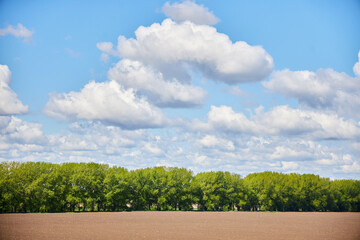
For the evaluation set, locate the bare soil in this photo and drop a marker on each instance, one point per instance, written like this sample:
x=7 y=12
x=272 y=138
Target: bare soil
x=181 y=225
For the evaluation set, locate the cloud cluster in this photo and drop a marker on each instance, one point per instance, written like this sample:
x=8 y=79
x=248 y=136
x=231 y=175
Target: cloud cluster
x=156 y=69
x=211 y=141
x=189 y=11
x=20 y=140
x=93 y=141
x=324 y=89
x=18 y=31
x=13 y=129
x=281 y=121
x=86 y=141
x=174 y=47
x=110 y=119
x=96 y=137
x=151 y=83
x=264 y=153
x=108 y=102
x=9 y=102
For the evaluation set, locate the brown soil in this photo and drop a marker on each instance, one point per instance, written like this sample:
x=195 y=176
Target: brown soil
x=181 y=225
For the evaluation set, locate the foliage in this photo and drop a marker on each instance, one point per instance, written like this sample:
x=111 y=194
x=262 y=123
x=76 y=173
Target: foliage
x=47 y=187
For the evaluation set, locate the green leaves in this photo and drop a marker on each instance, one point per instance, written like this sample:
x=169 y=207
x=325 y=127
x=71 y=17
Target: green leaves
x=47 y=187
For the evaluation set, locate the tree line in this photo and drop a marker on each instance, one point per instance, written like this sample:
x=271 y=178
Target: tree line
x=67 y=187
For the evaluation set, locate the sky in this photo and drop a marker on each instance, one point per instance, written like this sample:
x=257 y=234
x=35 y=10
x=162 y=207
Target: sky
x=239 y=86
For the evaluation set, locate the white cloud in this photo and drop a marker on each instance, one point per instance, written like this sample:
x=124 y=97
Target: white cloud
x=9 y=102
x=107 y=102
x=86 y=141
x=281 y=120
x=282 y=152
x=201 y=160
x=264 y=153
x=107 y=49
x=356 y=67
x=98 y=139
x=353 y=168
x=333 y=159
x=355 y=146
x=189 y=11
x=153 y=149
x=157 y=69
x=104 y=57
x=18 y=31
x=150 y=83
x=72 y=142
x=284 y=120
x=93 y=141
x=211 y=141
x=174 y=48
x=225 y=118
x=14 y=130
x=325 y=89
x=111 y=144
x=287 y=121
x=289 y=165
x=273 y=153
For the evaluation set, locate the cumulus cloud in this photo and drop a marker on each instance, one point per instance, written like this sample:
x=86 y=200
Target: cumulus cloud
x=86 y=141
x=189 y=11
x=72 y=142
x=156 y=68
x=225 y=118
x=353 y=168
x=15 y=130
x=151 y=83
x=108 y=102
x=284 y=120
x=211 y=141
x=17 y=31
x=94 y=141
x=9 y=102
x=153 y=149
x=96 y=137
x=173 y=48
x=324 y=89
x=289 y=165
x=107 y=49
x=264 y=153
x=281 y=120
x=333 y=159
x=287 y=153
x=106 y=142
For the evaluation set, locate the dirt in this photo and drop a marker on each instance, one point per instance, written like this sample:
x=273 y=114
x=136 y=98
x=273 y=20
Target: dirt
x=181 y=225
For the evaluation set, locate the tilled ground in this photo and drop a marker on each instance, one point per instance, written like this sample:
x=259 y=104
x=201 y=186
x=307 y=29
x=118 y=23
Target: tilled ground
x=181 y=225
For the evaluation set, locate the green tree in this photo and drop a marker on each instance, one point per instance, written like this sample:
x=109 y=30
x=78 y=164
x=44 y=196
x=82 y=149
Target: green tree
x=116 y=189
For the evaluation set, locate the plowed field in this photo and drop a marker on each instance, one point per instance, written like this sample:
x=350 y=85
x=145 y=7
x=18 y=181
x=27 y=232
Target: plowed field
x=181 y=225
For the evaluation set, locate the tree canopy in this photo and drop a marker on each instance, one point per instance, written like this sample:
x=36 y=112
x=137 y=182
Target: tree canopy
x=48 y=187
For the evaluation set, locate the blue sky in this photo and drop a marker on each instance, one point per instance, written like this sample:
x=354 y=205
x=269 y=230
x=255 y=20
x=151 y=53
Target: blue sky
x=241 y=86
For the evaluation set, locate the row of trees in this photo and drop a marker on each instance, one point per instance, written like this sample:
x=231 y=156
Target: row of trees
x=47 y=187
